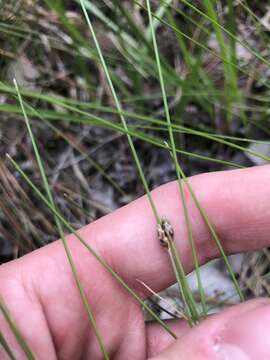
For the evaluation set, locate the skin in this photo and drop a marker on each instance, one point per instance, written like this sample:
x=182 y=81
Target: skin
x=43 y=299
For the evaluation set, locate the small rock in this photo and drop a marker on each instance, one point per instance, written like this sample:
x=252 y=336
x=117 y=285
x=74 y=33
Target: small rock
x=262 y=148
x=24 y=72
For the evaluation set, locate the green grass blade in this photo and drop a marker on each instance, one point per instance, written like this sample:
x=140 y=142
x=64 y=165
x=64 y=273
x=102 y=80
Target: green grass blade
x=214 y=236
x=119 y=108
x=178 y=265
x=201 y=45
x=159 y=13
x=66 y=103
x=6 y=347
x=229 y=33
x=16 y=332
x=183 y=285
x=97 y=121
x=231 y=82
x=61 y=232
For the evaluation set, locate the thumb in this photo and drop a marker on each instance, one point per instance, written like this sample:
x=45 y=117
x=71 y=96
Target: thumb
x=239 y=333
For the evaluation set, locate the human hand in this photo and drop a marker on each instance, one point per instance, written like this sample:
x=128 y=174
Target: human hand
x=43 y=299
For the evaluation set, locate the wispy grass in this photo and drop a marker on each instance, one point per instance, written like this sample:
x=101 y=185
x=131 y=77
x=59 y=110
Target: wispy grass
x=173 y=252
x=92 y=119
x=46 y=185
x=119 y=108
x=85 y=117
x=212 y=17
x=231 y=81
x=175 y=258
x=59 y=220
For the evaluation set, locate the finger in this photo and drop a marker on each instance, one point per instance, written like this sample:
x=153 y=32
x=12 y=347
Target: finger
x=158 y=339
x=237 y=203
x=240 y=333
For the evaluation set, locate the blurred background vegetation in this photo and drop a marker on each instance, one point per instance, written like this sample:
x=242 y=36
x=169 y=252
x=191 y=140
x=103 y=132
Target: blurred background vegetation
x=215 y=58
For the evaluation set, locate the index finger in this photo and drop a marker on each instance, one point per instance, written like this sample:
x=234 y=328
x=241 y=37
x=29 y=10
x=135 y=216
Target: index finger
x=236 y=202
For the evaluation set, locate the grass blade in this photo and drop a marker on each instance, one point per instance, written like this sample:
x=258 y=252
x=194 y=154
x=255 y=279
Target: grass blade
x=6 y=347
x=214 y=236
x=16 y=332
x=216 y=23
x=61 y=232
x=172 y=250
x=119 y=108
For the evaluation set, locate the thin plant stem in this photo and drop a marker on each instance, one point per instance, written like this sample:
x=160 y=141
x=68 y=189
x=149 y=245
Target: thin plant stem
x=215 y=237
x=6 y=347
x=213 y=234
x=173 y=147
x=88 y=247
x=215 y=137
x=16 y=332
x=61 y=232
x=119 y=108
x=234 y=37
